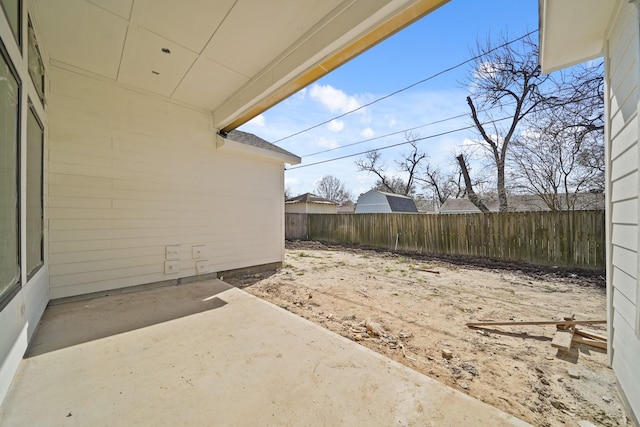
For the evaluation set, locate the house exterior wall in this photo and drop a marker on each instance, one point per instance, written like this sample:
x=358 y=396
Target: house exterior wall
x=130 y=174
x=321 y=208
x=623 y=160
x=372 y=202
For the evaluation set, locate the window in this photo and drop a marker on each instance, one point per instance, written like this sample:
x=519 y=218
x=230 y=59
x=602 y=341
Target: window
x=9 y=179
x=11 y=10
x=36 y=66
x=35 y=236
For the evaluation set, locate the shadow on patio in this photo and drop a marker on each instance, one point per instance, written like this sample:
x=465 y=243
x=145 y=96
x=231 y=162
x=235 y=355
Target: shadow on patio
x=209 y=354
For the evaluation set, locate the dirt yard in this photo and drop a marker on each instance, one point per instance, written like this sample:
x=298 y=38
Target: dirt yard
x=423 y=306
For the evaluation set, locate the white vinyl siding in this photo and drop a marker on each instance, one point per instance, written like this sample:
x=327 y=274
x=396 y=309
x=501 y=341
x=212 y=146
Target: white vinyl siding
x=623 y=75
x=130 y=174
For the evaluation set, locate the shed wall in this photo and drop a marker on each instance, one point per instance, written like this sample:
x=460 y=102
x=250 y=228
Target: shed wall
x=372 y=202
x=623 y=75
x=130 y=174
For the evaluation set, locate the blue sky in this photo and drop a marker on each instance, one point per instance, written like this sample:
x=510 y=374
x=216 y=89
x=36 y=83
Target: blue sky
x=438 y=41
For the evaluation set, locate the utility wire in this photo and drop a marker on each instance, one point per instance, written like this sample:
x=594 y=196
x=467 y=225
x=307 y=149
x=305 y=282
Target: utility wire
x=431 y=77
x=414 y=140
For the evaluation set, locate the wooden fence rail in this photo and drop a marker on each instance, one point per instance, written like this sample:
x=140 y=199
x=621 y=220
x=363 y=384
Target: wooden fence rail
x=570 y=238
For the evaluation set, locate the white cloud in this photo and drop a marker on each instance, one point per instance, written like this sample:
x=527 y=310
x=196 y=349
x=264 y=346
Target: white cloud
x=333 y=99
x=367 y=133
x=257 y=121
x=290 y=182
x=335 y=125
x=326 y=143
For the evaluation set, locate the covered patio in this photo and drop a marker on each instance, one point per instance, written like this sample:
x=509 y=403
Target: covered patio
x=206 y=353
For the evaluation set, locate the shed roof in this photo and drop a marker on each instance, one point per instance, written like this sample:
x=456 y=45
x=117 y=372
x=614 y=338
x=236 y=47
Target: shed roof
x=399 y=203
x=522 y=203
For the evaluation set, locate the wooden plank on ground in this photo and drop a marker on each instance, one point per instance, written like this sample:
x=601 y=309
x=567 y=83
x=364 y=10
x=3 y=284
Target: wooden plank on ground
x=562 y=339
x=544 y=322
x=587 y=341
x=592 y=335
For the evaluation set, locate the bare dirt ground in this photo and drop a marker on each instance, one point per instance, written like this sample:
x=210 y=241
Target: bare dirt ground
x=424 y=315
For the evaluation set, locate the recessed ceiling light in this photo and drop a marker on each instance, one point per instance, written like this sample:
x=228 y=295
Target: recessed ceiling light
x=166 y=50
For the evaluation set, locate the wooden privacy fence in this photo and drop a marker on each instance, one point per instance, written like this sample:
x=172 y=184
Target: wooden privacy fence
x=568 y=238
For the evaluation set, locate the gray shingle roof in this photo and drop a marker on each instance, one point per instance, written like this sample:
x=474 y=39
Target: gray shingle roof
x=256 y=141
x=399 y=203
x=309 y=198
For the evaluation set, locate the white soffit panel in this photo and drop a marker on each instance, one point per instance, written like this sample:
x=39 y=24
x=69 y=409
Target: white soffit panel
x=248 y=40
x=188 y=23
x=572 y=31
x=82 y=35
x=145 y=65
x=201 y=86
x=122 y=8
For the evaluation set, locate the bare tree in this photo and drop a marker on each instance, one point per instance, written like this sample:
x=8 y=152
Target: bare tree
x=287 y=193
x=562 y=152
x=506 y=88
x=331 y=188
x=441 y=186
x=409 y=165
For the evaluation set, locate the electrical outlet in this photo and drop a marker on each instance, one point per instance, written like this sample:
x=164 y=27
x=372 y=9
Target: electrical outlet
x=202 y=266
x=171 y=267
x=197 y=252
x=172 y=252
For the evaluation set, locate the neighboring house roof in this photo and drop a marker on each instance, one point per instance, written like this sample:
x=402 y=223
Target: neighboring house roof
x=309 y=198
x=522 y=203
x=250 y=143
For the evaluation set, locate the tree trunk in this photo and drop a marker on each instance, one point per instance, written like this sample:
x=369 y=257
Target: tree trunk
x=473 y=197
x=502 y=193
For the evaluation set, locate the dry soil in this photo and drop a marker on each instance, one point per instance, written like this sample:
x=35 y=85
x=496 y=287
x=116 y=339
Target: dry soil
x=423 y=306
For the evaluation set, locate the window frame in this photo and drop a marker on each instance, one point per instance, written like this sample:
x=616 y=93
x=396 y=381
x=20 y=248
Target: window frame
x=12 y=290
x=31 y=109
x=40 y=88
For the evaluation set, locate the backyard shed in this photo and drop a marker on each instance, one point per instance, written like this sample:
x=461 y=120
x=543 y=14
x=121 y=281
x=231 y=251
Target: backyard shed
x=610 y=29
x=310 y=203
x=374 y=201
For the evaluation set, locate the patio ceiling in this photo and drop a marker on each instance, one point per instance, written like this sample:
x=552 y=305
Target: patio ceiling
x=234 y=58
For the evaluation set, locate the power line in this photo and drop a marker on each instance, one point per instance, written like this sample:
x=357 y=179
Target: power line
x=433 y=76
x=416 y=139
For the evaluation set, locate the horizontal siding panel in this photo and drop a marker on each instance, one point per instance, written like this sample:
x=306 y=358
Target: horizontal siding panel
x=73 y=181
x=96 y=276
x=79 y=202
x=625 y=164
x=79 y=159
x=79 y=224
x=55 y=247
x=625 y=359
x=107 y=254
x=625 y=308
x=625 y=259
x=627 y=137
x=625 y=284
x=625 y=187
x=625 y=236
x=105 y=264
x=625 y=212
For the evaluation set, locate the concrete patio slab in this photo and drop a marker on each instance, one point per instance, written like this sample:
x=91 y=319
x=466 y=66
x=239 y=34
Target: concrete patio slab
x=207 y=354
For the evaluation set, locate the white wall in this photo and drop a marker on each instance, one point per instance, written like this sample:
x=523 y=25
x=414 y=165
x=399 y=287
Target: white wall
x=372 y=202
x=130 y=174
x=623 y=159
